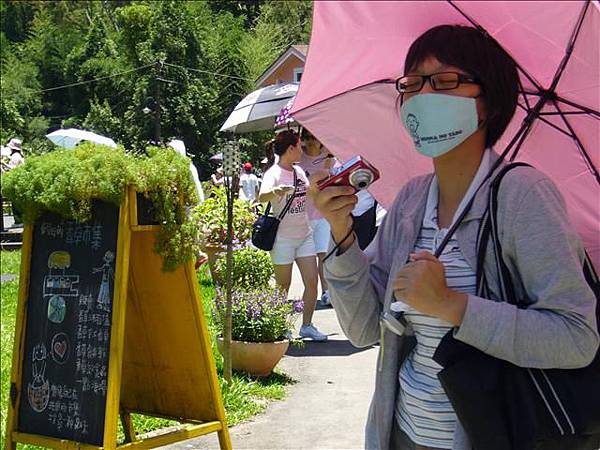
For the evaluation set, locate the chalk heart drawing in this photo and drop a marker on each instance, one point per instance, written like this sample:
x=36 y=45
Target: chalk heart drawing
x=60 y=348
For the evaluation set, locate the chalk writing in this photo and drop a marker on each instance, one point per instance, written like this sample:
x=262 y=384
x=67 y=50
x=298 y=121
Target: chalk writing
x=69 y=314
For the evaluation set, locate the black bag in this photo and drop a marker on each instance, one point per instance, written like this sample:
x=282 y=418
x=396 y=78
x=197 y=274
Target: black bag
x=365 y=226
x=503 y=406
x=264 y=229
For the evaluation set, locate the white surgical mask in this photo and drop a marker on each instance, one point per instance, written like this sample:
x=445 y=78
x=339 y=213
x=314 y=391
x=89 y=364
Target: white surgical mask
x=439 y=122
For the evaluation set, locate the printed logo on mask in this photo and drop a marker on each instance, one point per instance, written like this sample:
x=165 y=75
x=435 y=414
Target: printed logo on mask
x=437 y=122
x=412 y=124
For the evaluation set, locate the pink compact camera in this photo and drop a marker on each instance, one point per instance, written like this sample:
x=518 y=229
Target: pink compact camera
x=356 y=172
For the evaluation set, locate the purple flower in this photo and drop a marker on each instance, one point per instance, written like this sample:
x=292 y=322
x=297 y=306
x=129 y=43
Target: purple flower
x=298 y=306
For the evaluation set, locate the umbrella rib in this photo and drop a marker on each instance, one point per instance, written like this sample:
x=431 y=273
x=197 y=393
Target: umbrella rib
x=565 y=113
x=590 y=111
x=524 y=134
x=526 y=125
x=524 y=130
x=586 y=109
x=570 y=47
x=485 y=33
x=278 y=99
x=582 y=149
x=251 y=105
x=547 y=122
x=524 y=94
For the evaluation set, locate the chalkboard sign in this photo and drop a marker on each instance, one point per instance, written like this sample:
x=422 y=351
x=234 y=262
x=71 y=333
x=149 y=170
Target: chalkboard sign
x=67 y=335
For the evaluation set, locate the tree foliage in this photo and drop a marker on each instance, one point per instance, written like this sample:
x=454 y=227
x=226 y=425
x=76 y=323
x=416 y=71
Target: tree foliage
x=121 y=67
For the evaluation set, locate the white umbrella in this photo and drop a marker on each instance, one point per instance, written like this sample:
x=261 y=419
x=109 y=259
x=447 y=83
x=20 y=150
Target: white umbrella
x=258 y=110
x=70 y=137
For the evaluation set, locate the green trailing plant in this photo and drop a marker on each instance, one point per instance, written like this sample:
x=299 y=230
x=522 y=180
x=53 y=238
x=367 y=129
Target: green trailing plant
x=165 y=178
x=66 y=182
x=252 y=269
x=211 y=216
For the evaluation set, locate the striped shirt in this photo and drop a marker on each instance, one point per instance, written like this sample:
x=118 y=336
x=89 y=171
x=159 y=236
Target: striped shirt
x=423 y=410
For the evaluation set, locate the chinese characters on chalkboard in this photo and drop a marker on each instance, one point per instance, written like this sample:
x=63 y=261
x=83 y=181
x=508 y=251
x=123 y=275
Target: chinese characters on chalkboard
x=67 y=338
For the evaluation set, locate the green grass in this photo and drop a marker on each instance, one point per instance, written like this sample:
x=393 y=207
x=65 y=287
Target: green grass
x=244 y=397
x=9 y=264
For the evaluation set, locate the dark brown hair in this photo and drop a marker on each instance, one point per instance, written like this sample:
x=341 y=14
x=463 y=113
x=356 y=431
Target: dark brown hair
x=480 y=56
x=283 y=140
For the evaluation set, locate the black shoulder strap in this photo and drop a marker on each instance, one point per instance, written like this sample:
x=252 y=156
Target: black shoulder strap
x=489 y=227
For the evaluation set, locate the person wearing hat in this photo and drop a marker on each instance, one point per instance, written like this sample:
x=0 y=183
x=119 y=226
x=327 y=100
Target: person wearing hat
x=249 y=184
x=8 y=163
x=16 y=153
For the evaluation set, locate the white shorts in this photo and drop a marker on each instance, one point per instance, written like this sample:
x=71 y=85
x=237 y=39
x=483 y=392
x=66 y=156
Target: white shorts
x=321 y=232
x=286 y=250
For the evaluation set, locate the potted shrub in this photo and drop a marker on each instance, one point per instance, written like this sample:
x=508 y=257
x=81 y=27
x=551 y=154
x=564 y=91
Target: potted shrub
x=252 y=269
x=261 y=323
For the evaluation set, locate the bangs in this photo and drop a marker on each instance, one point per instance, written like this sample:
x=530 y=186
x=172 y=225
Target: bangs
x=451 y=45
x=480 y=56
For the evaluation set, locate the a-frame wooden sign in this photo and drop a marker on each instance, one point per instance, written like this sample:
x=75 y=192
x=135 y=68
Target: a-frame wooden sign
x=103 y=332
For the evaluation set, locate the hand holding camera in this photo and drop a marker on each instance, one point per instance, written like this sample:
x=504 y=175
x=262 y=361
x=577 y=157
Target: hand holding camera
x=333 y=194
x=356 y=172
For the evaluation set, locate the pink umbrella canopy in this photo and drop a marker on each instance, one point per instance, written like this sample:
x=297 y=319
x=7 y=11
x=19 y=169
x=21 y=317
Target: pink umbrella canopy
x=356 y=47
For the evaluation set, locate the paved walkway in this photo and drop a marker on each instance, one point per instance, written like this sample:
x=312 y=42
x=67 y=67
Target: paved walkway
x=325 y=409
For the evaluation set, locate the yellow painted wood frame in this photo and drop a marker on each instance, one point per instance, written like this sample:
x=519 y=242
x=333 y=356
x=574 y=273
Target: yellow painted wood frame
x=160 y=362
x=19 y=341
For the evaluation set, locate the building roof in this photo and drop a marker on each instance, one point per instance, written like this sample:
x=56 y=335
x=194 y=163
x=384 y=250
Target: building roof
x=302 y=48
x=298 y=50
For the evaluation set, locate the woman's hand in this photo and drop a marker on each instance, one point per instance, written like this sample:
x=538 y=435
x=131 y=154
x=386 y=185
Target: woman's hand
x=281 y=190
x=335 y=203
x=421 y=283
x=276 y=193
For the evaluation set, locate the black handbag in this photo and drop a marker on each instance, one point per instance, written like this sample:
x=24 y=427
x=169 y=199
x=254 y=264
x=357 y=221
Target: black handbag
x=503 y=406
x=264 y=229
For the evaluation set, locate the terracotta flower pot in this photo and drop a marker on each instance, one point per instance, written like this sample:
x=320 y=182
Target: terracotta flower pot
x=256 y=358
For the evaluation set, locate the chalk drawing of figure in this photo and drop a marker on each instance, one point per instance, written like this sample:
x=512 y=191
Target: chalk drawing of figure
x=413 y=125
x=103 y=299
x=38 y=391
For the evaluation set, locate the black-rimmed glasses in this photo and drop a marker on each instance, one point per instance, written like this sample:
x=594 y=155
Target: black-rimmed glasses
x=441 y=81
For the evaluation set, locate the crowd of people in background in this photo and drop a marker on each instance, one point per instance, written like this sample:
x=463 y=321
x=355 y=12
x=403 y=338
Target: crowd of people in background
x=303 y=236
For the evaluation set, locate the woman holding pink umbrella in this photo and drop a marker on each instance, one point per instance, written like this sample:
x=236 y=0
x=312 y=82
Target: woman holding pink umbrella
x=457 y=96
